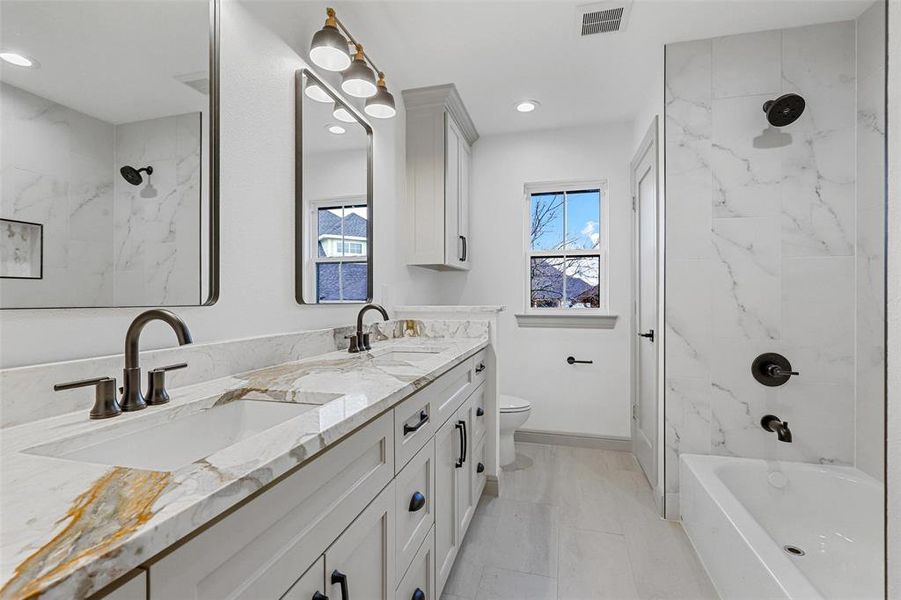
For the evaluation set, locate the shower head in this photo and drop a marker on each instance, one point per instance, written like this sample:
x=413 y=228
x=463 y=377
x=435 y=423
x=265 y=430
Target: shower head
x=133 y=176
x=784 y=110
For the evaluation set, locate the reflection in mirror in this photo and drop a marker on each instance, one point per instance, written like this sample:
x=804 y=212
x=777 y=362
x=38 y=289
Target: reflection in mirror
x=105 y=150
x=334 y=197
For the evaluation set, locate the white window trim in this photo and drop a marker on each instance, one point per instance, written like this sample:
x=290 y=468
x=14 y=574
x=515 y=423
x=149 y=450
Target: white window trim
x=313 y=251
x=567 y=317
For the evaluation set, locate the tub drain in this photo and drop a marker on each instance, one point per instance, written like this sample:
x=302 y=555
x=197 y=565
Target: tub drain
x=793 y=550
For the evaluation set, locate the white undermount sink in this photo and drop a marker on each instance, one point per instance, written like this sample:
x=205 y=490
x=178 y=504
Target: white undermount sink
x=403 y=356
x=169 y=445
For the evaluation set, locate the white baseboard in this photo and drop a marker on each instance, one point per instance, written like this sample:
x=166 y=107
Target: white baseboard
x=580 y=440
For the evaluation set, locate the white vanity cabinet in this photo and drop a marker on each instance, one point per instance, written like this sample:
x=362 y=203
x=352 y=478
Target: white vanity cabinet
x=378 y=516
x=440 y=135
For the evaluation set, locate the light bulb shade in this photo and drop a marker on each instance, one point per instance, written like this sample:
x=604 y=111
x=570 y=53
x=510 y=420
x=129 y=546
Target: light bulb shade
x=329 y=49
x=342 y=114
x=381 y=106
x=314 y=91
x=358 y=80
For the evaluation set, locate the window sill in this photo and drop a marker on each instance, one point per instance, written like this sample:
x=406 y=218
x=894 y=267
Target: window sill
x=591 y=321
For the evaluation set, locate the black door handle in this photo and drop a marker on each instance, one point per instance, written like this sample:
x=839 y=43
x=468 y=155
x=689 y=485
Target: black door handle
x=423 y=419
x=319 y=596
x=649 y=335
x=418 y=595
x=572 y=360
x=417 y=501
x=341 y=579
x=459 y=427
x=465 y=250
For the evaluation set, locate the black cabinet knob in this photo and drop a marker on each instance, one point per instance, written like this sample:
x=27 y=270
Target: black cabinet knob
x=417 y=501
x=480 y=412
x=319 y=596
x=480 y=468
x=418 y=595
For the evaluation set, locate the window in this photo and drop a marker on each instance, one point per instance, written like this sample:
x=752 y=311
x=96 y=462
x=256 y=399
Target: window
x=566 y=254
x=342 y=243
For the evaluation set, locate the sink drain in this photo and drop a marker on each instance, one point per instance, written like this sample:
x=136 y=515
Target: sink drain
x=793 y=550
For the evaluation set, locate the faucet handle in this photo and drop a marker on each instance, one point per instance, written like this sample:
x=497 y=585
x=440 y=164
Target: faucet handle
x=366 y=344
x=105 y=404
x=354 y=347
x=156 y=384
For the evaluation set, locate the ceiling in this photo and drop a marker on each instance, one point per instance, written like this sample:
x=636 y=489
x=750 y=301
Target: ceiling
x=114 y=60
x=499 y=52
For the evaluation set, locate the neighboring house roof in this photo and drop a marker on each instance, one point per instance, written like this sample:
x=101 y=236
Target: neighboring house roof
x=354 y=224
x=355 y=281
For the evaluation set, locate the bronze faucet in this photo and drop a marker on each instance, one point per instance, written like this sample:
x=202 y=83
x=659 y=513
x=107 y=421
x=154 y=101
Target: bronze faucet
x=132 y=397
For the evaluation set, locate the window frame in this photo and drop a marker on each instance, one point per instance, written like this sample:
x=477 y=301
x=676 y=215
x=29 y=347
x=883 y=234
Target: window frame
x=313 y=241
x=602 y=252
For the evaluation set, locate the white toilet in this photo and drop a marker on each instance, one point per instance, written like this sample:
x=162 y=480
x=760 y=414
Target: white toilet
x=514 y=413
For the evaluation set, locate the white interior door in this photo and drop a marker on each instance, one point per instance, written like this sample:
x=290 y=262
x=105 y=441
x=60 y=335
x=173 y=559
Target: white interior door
x=644 y=409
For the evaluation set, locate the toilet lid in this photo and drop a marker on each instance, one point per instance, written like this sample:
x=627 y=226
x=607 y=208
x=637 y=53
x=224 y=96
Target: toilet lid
x=514 y=404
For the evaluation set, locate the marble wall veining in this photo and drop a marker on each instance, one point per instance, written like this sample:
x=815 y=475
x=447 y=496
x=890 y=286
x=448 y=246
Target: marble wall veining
x=56 y=164
x=157 y=223
x=870 y=291
x=761 y=245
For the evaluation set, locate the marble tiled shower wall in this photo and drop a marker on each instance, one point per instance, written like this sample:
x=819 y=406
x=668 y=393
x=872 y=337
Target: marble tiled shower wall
x=761 y=245
x=105 y=242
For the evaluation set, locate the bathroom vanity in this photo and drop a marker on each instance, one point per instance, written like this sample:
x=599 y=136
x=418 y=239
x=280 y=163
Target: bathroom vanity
x=339 y=475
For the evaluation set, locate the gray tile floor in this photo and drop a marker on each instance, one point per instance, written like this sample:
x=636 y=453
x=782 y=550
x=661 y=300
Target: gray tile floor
x=574 y=524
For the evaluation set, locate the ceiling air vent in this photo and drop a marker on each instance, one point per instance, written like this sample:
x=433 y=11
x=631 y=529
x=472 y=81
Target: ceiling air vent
x=604 y=17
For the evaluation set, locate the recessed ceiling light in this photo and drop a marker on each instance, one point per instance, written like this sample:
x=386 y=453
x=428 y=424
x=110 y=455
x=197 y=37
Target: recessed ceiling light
x=19 y=60
x=527 y=105
x=336 y=129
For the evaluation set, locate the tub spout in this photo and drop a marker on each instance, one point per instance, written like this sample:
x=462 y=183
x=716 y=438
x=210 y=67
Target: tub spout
x=778 y=426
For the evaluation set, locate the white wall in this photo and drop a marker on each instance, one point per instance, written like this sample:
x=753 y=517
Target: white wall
x=257 y=216
x=588 y=399
x=893 y=454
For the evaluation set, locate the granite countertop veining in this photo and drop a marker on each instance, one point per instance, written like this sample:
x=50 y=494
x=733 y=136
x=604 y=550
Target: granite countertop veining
x=68 y=527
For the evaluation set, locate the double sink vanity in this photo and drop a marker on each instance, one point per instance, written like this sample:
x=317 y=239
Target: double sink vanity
x=338 y=475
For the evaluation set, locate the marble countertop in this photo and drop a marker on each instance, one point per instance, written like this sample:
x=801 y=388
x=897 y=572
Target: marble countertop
x=68 y=528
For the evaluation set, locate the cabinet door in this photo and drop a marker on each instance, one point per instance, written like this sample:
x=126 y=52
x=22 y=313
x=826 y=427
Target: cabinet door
x=453 y=251
x=465 y=485
x=465 y=158
x=447 y=534
x=309 y=584
x=415 y=506
x=360 y=563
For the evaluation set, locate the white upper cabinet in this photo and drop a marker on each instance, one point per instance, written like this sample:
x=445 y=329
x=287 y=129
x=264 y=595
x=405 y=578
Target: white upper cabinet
x=440 y=135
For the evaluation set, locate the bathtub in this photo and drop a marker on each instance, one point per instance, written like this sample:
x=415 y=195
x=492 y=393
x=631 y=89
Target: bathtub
x=741 y=514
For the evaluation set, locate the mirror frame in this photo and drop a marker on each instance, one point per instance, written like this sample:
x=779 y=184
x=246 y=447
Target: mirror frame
x=299 y=238
x=212 y=185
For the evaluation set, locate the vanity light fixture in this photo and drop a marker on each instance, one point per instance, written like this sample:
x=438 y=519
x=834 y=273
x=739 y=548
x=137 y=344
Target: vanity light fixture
x=19 y=60
x=329 y=48
x=314 y=91
x=342 y=114
x=335 y=129
x=381 y=106
x=527 y=106
x=359 y=80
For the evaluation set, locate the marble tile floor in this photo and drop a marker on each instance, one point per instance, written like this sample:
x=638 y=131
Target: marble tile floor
x=574 y=524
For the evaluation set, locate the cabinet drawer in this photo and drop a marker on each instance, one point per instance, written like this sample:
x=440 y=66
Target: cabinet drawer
x=260 y=549
x=480 y=367
x=421 y=574
x=309 y=583
x=479 y=478
x=414 y=425
x=451 y=389
x=415 y=505
x=135 y=588
x=478 y=415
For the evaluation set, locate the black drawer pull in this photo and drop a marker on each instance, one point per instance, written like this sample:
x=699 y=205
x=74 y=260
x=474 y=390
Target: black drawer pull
x=418 y=595
x=341 y=579
x=480 y=412
x=481 y=368
x=423 y=419
x=417 y=501
x=319 y=596
x=480 y=468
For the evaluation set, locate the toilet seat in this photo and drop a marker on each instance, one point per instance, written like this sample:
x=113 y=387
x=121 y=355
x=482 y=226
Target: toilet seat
x=513 y=404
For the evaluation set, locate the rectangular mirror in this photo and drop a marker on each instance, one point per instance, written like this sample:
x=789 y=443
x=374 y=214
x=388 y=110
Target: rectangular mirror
x=333 y=197
x=109 y=153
